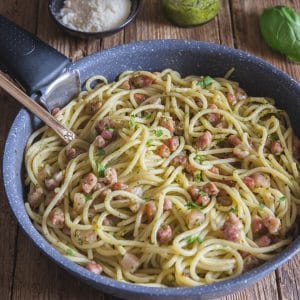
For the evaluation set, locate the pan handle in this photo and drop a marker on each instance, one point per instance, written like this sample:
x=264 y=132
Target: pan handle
x=26 y=58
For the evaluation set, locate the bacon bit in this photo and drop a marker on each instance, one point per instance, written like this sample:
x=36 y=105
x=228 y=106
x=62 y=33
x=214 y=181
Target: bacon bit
x=86 y=236
x=150 y=210
x=35 y=197
x=71 y=153
x=94 y=267
x=199 y=102
x=214 y=170
x=195 y=218
x=99 y=141
x=55 y=111
x=179 y=160
x=52 y=183
x=203 y=199
x=257 y=225
x=104 y=124
x=119 y=186
x=79 y=202
x=163 y=151
x=88 y=183
x=222 y=124
x=125 y=85
x=224 y=200
x=263 y=241
x=234 y=140
x=92 y=107
x=107 y=134
x=231 y=228
x=57 y=218
x=276 y=148
x=66 y=230
x=164 y=234
x=172 y=143
x=140 y=81
x=249 y=182
x=240 y=94
x=272 y=223
x=211 y=189
x=213 y=117
x=111 y=220
x=250 y=262
x=139 y=98
x=167 y=204
x=189 y=168
x=130 y=263
x=194 y=191
x=203 y=141
x=100 y=184
x=231 y=98
x=111 y=176
x=240 y=151
x=261 y=180
x=167 y=123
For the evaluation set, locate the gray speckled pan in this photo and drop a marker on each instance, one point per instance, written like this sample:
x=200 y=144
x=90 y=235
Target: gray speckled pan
x=187 y=57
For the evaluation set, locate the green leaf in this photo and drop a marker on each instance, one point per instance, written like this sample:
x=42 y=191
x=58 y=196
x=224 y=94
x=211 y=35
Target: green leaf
x=149 y=143
x=193 y=238
x=101 y=152
x=273 y=137
x=205 y=82
x=280 y=28
x=88 y=198
x=69 y=252
x=201 y=193
x=191 y=205
x=198 y=177
x=159 y=133
x=132 y=121
x=101 y=170
x=199 y=158
x=233 y=210
x=110 y=129
x=148 y=116
x=282 y=199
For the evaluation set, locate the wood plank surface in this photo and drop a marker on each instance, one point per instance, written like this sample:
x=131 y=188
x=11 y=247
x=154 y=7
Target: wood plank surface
x=27 y=274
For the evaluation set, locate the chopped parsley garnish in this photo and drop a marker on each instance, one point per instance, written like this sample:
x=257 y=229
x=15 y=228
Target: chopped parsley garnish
x=199 y=158
x=205 y=82
x=159 y=133
x=110 y=129
x=149 y=143
x=201 y=193
x=193 y=238
x=198 y=177
x=69 y=252
x=282 y=199
x=88 y=198
x=148 y=116
x=101 y=170
x=273 y=137
x=132 y=121
x=233 y=210
x=101 y=152
x=191 y=205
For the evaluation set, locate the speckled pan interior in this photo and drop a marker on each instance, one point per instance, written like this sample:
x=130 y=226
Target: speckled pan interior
x=187 y=57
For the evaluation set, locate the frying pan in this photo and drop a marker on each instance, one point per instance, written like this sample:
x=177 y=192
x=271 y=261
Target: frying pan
x=39 y=68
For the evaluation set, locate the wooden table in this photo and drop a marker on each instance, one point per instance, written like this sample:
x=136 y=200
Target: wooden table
x=25 y=273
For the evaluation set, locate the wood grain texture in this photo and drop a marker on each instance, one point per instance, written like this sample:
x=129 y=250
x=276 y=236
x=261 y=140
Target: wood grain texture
x=27 y=274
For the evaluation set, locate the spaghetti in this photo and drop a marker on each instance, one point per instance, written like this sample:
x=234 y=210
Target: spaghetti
x=172 y=181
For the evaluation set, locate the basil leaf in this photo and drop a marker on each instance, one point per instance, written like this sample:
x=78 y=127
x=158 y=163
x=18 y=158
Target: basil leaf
x=101 y=170
x=205 y=82
x=280 y=28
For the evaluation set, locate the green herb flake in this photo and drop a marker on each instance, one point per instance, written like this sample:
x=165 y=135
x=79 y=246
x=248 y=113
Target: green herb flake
x=149 y=143
x=132 y=121
x=148 y=116
x=198 y=177
x=88 y=198
x=193 y=238
x=273 y=137
x=191 y=205
x=110 y=129
x=101 y=152
x=159 y=133
x=101 y=170
x=199 y=158
x=69 y=252
x=282 y=199
x=205 y=82
x=233 y=210
x=201 y=193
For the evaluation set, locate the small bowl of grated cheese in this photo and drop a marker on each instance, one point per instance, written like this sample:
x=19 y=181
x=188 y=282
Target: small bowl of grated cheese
x=93 y=18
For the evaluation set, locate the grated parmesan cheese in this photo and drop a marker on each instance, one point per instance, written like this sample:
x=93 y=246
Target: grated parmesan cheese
x=94 y=15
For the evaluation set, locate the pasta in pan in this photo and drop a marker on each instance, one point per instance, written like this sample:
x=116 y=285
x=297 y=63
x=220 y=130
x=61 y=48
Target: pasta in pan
x=171 y=182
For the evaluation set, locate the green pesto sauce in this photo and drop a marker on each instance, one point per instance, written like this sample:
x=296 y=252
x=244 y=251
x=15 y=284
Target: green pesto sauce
x=190 y=12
